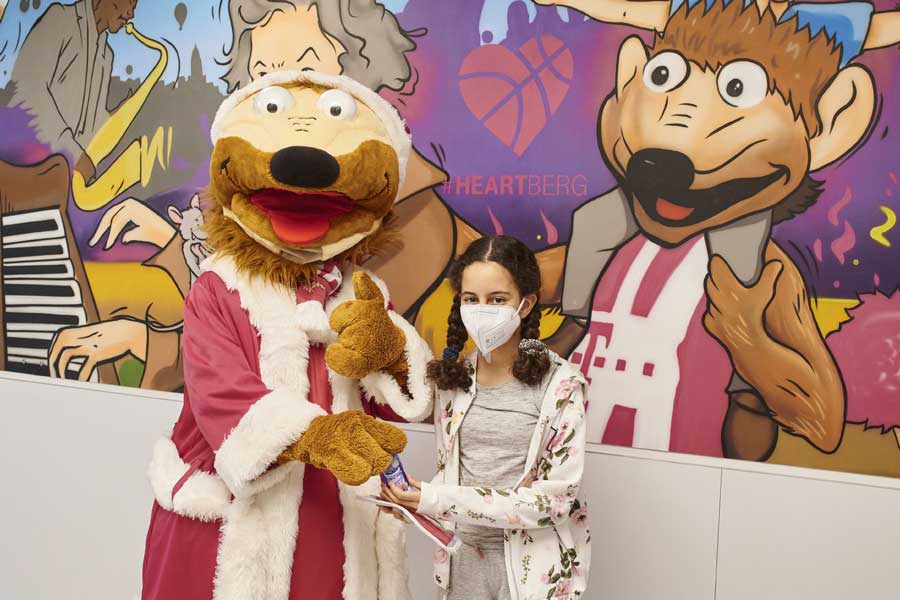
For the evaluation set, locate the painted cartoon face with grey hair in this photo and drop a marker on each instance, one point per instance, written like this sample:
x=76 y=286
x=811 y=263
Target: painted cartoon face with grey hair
x=357 y=38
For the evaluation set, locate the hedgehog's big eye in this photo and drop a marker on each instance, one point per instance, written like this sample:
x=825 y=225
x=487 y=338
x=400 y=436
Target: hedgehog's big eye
x=273 y=100
x=337 y=104
x=665 y=72
x=742 y=83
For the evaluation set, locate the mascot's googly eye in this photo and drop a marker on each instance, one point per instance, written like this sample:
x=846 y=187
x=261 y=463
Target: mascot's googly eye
x=273 y=100
x=337 y=104
x=665 y=72
x=743 y=83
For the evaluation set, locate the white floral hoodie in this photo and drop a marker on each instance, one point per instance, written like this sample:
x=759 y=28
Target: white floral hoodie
x=545 y=523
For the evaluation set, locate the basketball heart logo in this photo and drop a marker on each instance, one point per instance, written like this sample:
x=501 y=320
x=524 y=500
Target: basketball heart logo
x=514 y=93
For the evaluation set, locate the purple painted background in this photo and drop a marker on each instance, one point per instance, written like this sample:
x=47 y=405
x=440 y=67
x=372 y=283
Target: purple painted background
x=830 y=242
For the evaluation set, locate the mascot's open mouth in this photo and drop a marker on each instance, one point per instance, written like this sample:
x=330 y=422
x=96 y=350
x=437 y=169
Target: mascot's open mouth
x=687 y=207
x=301 y=218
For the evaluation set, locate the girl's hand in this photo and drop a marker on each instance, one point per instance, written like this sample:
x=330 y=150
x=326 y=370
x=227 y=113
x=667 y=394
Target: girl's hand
x=408 y=499
x=395 y=512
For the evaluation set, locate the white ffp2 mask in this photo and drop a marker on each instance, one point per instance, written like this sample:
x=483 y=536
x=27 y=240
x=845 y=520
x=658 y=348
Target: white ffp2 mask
x=490 y=326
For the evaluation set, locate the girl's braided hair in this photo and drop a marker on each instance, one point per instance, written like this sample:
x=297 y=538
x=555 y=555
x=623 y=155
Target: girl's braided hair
x=453 y=372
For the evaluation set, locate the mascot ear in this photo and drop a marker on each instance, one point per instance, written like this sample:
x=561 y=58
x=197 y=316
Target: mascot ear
x=632 y=58
x=845 y=110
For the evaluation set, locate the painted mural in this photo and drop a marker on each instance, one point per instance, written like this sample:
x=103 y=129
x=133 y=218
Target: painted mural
x=712 y=188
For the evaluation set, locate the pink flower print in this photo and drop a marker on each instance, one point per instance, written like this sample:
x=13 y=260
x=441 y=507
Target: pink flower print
x=559 y=505
x=573 y=451
x=444 y=414
x=441 y=556
x=514 y=520
x=563 y=588
x=580 y=516
x=545 y=579
x=565 y=389
x=488 y=498
x=577 y=572
x=557 y=440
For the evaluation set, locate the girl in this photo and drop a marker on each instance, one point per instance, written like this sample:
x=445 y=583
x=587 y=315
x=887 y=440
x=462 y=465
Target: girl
x=510 y=433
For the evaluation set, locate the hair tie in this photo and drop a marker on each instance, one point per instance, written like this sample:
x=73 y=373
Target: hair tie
x=532 y=346
x=450 y=353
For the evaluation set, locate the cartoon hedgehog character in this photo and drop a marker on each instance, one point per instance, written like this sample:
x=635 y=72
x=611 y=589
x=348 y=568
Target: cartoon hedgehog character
x=723 y=119
x=289 y=351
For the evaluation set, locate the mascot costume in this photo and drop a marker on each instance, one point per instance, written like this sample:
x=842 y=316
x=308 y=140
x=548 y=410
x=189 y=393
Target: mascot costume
x=290 y=351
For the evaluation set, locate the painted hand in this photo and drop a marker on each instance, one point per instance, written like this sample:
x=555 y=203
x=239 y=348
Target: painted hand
x=149 y=227
x=735 y=315
x=96 y=344
x=409 y=499
x=368 y=340
x=85 y=166
x=352 y=445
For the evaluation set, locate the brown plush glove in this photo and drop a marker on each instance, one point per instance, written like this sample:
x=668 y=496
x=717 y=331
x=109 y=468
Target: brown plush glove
x=368 y=340
x=352 y=445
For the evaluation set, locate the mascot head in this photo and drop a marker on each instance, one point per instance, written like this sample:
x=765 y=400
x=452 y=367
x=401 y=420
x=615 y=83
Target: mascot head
x=305 y=168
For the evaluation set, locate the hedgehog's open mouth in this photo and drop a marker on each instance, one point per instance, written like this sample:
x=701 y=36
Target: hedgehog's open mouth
x=301 y=218
x=688 y=207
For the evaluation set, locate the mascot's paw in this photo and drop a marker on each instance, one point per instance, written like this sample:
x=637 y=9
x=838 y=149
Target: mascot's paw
x=352 y=445
x=368 y=340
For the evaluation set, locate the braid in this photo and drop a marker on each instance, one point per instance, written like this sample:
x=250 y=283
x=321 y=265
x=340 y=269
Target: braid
x=531 y=367
x=452 y=372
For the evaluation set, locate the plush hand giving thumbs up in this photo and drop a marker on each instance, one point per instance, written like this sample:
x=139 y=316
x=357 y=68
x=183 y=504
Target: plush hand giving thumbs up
x=368 y=340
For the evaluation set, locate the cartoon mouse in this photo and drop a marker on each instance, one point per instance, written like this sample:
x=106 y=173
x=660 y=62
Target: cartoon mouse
x=190 y=228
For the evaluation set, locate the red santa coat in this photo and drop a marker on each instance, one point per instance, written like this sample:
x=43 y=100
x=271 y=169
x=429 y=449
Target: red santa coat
x=228 y=525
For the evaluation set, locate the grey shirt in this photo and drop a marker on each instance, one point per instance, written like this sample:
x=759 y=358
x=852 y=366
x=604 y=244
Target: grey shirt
x=493 y=444
x=62 y=77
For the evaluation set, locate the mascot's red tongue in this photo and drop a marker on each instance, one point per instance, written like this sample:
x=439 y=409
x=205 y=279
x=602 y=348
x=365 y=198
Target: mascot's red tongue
x=301 y=218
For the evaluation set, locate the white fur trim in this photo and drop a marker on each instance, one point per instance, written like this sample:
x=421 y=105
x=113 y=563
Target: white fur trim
x=273 y=423
x=313 y=319
x=390 y=548
x=203 y=496
x=361 y=566
x=385 y=389
x=390 y=118
x=260 y=526
x=256 y=550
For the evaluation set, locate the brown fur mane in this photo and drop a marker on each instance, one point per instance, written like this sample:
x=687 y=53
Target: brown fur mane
x=226 y=237
x=799 y=66
x=799 y=200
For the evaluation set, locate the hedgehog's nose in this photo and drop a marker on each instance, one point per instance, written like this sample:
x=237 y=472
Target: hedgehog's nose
x=656 y=170
x=303 y=166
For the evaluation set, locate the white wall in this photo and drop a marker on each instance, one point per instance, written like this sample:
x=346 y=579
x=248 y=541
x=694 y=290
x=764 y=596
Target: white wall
x=75 y=505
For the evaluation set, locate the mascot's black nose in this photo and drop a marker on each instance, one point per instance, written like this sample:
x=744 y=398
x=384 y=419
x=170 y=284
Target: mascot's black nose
x=302 y=166
x=653 y=170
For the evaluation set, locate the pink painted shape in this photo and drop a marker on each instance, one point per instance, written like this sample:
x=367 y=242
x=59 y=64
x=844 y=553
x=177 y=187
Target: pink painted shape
x=498 y=228
x=844 y=243
x=620 y=427
x=817 y=249
x=552 y=232
x=835 y=211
